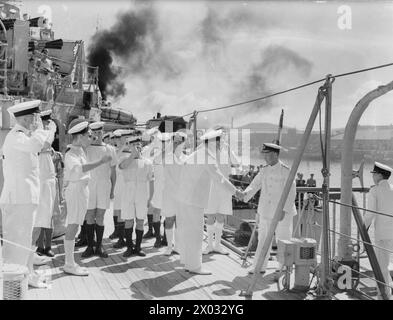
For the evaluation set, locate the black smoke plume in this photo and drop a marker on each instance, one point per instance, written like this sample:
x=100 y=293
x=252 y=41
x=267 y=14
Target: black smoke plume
x=125 y=43
x=276 y=62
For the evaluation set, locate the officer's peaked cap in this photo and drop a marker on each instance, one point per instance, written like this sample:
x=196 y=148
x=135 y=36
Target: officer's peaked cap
x=268 y=147
x=381 y=168
x=25 y=108
x=45 y=115
x=98 y=125
x=77 y=126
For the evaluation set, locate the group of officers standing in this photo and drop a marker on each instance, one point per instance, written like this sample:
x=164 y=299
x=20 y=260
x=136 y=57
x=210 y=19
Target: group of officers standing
x=163 y=178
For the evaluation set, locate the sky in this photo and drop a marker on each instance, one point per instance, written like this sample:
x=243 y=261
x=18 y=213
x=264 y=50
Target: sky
x=203 y=54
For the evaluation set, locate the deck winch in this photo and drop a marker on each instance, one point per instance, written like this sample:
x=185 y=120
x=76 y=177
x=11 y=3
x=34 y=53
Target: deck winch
x=301 y=253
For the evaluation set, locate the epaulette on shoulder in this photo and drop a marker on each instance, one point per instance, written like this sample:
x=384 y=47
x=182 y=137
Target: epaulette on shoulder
x=284 y=166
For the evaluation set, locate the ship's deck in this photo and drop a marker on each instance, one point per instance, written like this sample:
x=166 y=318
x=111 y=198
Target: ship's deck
x=157 y=277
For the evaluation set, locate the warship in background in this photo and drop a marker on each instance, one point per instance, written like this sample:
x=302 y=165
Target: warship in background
x=34 y=64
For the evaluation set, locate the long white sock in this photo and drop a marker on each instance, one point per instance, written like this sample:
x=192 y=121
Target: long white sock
x=30 y=262
x=210 y=234
x=169 y=237
x=69 y=246
x=218 y=233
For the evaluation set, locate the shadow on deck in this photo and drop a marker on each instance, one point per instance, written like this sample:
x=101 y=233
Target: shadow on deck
x=156 y=276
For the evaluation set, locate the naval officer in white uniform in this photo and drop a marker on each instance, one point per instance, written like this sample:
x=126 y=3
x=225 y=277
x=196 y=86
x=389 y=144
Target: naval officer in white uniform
x=380 y=198
x=121 y=153
x=153 y=144
x=199 y=169
x=173 y=161
x=76 y=177
x=220 y=200
x=101 y=190
x=43 y=227
x=21 y=191
x=137 y=194
x=271 y=180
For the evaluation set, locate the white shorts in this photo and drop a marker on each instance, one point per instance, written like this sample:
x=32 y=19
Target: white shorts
x=119 y=186
x=223 y=206
x=99 y=194
x=156 y=201
x=220 y=201
x=170 y=206
x=131 y=209
x=45 y=207
x=76 y=197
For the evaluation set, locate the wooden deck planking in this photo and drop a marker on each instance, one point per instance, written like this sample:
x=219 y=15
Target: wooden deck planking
x=177 y=277
x=157 y=276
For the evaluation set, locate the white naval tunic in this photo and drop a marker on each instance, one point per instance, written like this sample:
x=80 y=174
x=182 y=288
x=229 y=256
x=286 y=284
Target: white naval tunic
x=137 y=177
x=119 y=186
x=380 y=199
x=271 y=181
x=100 y=182
x=194 y=189
x=21 y=190
x=172 y=171
x=220 y=200
x=47 y=189
x=77 y=191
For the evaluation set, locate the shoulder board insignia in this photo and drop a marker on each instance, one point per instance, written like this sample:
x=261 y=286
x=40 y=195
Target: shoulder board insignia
x=284 y=166
x=19 y=131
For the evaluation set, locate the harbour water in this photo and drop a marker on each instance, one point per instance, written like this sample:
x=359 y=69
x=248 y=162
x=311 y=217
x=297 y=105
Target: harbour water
x=312 y=166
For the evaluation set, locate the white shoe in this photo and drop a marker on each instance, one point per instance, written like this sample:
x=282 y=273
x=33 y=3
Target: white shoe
x=208 y=250
x=218 y=249
x=168 y=251
x=35 y=281
x=76 y=270
x=200 y=271
x=40 y=260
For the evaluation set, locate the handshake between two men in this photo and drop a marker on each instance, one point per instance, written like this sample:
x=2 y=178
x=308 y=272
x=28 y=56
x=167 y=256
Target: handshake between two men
x=240 y=195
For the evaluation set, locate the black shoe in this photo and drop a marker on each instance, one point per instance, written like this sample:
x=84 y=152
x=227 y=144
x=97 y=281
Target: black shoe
x=119 y=244
x=89 y=252
x=81 y=243
x=149 y=234
x=40 y=251
x=140 y=253
x=101 y=252
x=129 y=252
x=164 y=242
x=115 y=233
x=49 y=253
x=158 y=243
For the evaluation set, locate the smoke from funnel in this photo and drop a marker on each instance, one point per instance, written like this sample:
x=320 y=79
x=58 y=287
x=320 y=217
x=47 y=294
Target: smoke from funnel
x=126 y=42
x=186 y=57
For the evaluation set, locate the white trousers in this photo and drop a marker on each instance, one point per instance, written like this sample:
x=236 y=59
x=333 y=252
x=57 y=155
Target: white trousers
x=383 y=258
x=283 y=232
x=189 y=226
x=18 y=222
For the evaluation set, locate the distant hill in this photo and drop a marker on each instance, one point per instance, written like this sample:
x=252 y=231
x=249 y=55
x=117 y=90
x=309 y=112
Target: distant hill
x=261 y=126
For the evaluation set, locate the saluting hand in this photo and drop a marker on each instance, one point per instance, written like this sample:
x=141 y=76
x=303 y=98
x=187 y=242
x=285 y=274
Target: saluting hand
x=52 y=126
